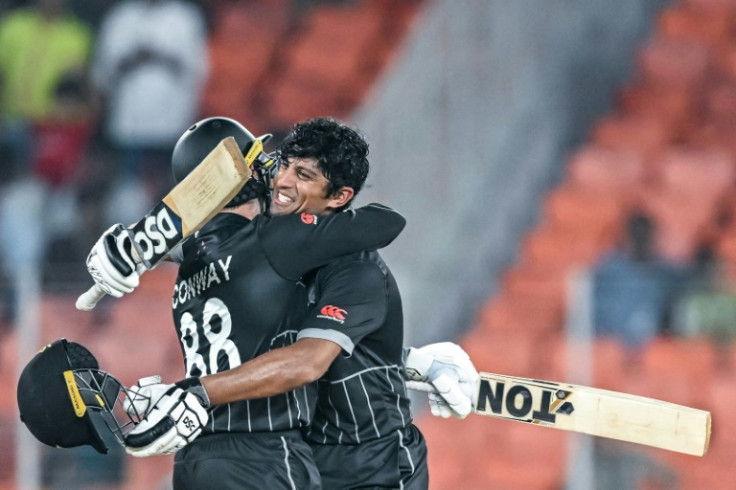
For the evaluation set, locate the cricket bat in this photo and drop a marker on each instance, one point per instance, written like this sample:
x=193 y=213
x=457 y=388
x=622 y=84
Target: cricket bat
x=593 y=411
x=188 y=207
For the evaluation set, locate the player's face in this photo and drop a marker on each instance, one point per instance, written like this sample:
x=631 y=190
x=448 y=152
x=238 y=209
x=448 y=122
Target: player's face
x=300 y=187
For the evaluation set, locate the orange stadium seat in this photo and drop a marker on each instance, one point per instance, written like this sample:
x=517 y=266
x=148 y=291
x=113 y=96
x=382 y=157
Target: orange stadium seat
x=606 y=170
x=648 y=134
x=690 y=362
x=536 y=280
x=725 y=7
x=667 y=62
x=572 y=246
x=334 y=45
x=725 y=245
x=678 y=105
x=291 y=101
x=513 y=312
x=503 y=352
x=698 y=174
x=709 y=24
x=584 y=211
x=720 y=103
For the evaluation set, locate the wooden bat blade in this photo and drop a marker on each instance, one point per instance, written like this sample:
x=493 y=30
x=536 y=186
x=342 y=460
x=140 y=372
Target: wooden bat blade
x=594 y=411
x=211 y=185
x=192 y=202
x=188 y=207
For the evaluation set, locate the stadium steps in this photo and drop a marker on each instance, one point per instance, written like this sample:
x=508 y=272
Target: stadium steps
x=273 y=74
x=244 y=40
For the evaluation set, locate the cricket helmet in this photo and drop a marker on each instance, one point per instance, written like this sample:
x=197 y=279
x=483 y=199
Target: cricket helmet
x=66 y=401
x=197 y=141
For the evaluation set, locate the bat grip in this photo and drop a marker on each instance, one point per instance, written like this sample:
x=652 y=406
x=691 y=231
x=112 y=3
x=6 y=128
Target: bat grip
x=89 y=299
x=421 y=386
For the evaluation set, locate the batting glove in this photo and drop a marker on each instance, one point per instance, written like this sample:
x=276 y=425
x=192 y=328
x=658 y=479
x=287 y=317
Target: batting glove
x=446 y=372
x=113 y=262
x=142 y=396
x=171 y=422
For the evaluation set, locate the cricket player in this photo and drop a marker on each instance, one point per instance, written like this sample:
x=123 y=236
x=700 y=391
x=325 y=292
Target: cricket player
x=238 y=316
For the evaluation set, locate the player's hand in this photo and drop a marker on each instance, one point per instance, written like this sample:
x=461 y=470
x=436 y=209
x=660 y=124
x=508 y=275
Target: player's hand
x=142 y=396
x=113 y=263
x=447 y=373
x=171 y=422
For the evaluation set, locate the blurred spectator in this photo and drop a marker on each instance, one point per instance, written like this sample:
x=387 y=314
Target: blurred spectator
x=708 y=307
x=634 y=288
x=150 y=67
x=39 y=46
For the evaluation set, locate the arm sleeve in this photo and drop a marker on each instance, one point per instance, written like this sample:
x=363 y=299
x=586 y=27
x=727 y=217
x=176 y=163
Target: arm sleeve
x=353 y=304
x=297 y=244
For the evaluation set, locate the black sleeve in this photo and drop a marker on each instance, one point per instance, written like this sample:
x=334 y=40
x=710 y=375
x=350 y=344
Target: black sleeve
x=296 y=244
x=353 y=303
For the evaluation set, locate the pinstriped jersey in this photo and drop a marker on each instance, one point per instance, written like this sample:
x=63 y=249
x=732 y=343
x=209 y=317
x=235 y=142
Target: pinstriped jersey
x=355 y=302
x=238 y=291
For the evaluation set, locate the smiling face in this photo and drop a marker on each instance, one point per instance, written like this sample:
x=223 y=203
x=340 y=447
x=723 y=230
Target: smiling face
x=301 y=187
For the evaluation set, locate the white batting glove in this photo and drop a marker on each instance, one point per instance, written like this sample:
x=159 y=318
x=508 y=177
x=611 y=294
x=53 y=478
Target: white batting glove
x=445 y=371
x=113 y=263
x=141 y=397
x=172 y=422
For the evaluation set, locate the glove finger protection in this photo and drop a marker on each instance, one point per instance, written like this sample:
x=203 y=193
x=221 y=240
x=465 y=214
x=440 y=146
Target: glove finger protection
x=438 y=406
x=143 y=395
x=448 y=389
x=447 y=368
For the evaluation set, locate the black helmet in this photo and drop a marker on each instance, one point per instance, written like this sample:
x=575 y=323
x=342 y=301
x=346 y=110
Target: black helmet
x=197 y=141
x=65 y=400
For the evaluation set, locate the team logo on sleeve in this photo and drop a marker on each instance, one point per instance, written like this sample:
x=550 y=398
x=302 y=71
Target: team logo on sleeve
x=333 y=313
x=309 y=219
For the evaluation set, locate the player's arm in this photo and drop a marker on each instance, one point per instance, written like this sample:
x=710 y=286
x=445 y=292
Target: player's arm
x=277 y=371
x=358 y=288
x=173 y=415
x=297 y=244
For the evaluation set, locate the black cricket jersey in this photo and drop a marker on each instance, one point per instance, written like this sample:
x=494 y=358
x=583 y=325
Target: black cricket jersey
x=238 y=295
x=355 y=303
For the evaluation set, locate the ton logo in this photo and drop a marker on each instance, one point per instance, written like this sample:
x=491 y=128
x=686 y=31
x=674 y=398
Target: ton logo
x=528 y=405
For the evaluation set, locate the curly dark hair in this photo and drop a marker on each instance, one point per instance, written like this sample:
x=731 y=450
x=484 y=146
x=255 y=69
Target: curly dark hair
x=341 y=151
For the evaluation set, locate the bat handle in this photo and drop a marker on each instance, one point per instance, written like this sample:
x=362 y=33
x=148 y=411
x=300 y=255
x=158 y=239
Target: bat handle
x=89 y=299
x=421 y=386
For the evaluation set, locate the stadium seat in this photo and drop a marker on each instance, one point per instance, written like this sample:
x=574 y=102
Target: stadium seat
x=648 y=134
x=572 y=246
x=703 y=21
x=698 y=174
x=606 y=171
x=585 y=212
x=668 y=62
x=678 y=105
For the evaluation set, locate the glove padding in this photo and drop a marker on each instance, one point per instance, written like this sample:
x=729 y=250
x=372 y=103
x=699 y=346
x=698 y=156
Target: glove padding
x=141 y=397
x=113 y=262
x=174 y=420
x=446 y=372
